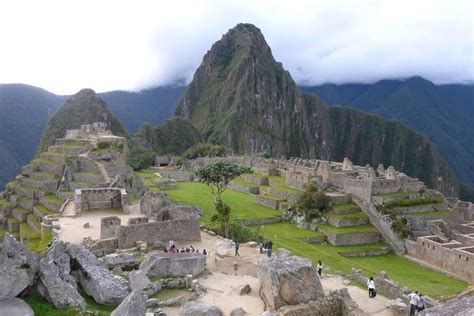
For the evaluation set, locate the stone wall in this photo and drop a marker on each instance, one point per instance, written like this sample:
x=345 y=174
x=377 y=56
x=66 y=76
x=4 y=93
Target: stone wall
x=158 y=264
x=104 y=246
x=108 y=226
x=176 y=175
x=261 y=221
x=433 y=250
x=180 y=229
x=352 y=239
x=268 y=201
x=420 y=224
x=244 y=188
x=100 y=198
x=255 y=179
x=344 y=222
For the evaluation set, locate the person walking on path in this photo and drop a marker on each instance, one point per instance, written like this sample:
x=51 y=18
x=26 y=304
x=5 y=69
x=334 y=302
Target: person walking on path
x=319 y=268
x=421 y=303
x=371 y=287
x=260 y=247
x=414 y=300
x=237 y=245
x=269 y=248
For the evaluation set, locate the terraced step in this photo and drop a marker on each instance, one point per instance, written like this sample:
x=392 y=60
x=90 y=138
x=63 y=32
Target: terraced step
x=74 y=185
x=24 y=191
x=72 y=142
x=283 y=191
x=20 y=214
x=255 y=179
x=34 y=222
x=68 y=150
x=13 y=225
x=347 y=220
x=43 y=176
x=245 y=187
x=94 y=177
x=26 y=203
x=48 y=166
x=341 y=209
x=51 y=202
x=41 y=211
x=27 y=234
x=269 y=201
x=5 y=206
x=354 y=235
x=31 y=183
x=38 y=186
x=64 y=195
x=55 y=157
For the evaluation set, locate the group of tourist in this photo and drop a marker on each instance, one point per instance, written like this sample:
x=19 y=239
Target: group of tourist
x=174 y=249
x=268 y=245
x=417 y=302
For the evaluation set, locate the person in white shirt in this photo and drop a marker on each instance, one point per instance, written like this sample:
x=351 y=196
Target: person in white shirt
x=414 y=300
x=371 y=286
x=421 y=303
x=319 y=268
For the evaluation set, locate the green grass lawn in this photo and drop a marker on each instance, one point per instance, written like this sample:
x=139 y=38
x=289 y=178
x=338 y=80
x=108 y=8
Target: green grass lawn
x=149 y=179
x=412 y=275
x=432 y=213
x=243 y=205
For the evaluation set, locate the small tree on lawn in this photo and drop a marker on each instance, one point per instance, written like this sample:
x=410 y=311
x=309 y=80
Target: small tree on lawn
x=312 y=203
x=218 y=176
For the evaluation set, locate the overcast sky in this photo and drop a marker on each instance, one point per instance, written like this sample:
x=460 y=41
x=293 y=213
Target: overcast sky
x=64 y=46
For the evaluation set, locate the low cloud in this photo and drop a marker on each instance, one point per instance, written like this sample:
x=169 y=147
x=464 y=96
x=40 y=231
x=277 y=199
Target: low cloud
x=64 y=46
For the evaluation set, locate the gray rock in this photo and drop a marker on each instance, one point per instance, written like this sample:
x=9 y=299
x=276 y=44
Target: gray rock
x=126 y=261
x=267 y=313
x=176 y=284
x=140 y=281
x=157 y=244
x=175 y=301
x=239 y=311
x=243 y=289
x=95 y=279
x=200 y=309
x=12 y=306
x=18 y=267
x=132 y=305
x=198 y=288
x=152 y=302
x=176 y=264
x=288 y=281
x=55 y=283
x=189 y=280
x=458 y=306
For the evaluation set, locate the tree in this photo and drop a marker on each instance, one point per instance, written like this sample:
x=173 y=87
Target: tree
x=218 y=176
x=312 y=203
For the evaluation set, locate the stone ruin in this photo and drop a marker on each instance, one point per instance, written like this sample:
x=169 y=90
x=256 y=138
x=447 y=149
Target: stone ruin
x=101 y=198
x=86 y=130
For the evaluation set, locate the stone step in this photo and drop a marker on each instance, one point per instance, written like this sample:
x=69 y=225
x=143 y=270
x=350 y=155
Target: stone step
x=34 y=222
x=255 y=179
x=341 y=209
x=48 y=166
x=64 y=195
x=43 y=176
x=13 y=225
x=347 y=220
x=27 y=234
x=25 y=191
x=5 y=207
x=26 y=203
x=269 y=201
x=52 y=203
x=72 y=142
x=283 y=191
x=54 y=157
x=67 y=150
x=74 y=185
x=31 y=183
x=41 y=211
x=88 y=177
x=417 y=209
x=244 y=187
x=20 y=214
x=359 y=235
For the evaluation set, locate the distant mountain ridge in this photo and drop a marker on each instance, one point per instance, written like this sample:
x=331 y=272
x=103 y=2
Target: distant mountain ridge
x=240 y=96
x=444 y=113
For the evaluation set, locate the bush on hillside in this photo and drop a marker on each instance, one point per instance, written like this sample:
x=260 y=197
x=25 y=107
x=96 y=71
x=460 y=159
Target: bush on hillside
x=312 y=203
x=141 y=160
x=205 y=150
x=401 y=228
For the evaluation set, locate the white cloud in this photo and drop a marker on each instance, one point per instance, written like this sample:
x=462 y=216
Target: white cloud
x=64 y=46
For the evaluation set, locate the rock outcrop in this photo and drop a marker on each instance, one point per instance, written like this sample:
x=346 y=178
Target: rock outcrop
x=288 y=280
x=176 y=264
x=55 y=281
x=18 y=267
x=124 y=261
x=200 y=309
x=13 y=306
x=459 y=307
x=94 y=277
x=132 y=305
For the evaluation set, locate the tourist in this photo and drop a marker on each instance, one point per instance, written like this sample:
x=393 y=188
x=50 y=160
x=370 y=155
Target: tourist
x=182 y=250
x=371 y=286
x=187 y=249
x=237 y=245
x=236 y=267
x=260 y=247
x=204 y=252
x=197 y=250
x=171 y=244
x=414 y=300
x=319 y=267
x=269 y=248
x=191 y=248
x=165 y=249
x=421 y=303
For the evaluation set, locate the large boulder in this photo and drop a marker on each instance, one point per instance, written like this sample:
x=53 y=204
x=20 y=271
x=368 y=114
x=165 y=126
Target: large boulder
x=140 y=281
x=18 y=267
x=200 y=309
x=176 y=264
x=124 y=261
x=458 y=306
x=55 y=281
x=95 y=278
x=12 y=306
x=132 y=305
x=288 y=280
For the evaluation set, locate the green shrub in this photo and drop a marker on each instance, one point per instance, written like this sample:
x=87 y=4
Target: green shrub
x=103 y=145
x=141 y=160
x=413 y=202
x=312 y=203
x=205 y=150
x=401 y=228
x=237 y=231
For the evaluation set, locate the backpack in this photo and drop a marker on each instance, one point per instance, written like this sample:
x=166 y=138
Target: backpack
x=374 y=293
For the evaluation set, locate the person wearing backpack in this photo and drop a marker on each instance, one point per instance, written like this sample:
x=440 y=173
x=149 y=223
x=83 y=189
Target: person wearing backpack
x=421 y=303
x=371 y=286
